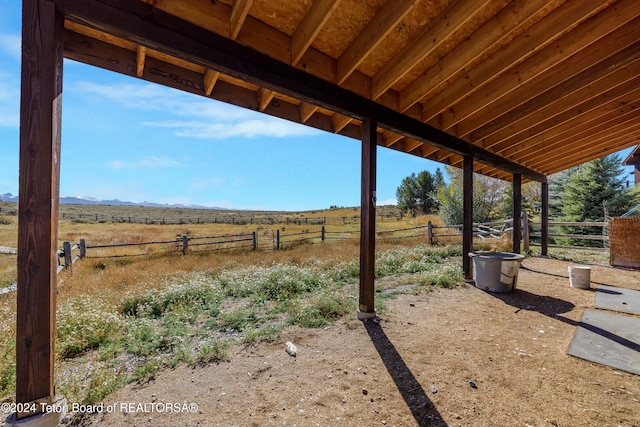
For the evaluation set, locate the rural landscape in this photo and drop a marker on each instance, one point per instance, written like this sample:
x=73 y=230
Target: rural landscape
x=141 y=318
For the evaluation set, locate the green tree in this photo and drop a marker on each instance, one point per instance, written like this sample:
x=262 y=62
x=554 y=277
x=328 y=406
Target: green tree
x=418 y=194
x=488 y=197
x=407 y=195
x=590 y=188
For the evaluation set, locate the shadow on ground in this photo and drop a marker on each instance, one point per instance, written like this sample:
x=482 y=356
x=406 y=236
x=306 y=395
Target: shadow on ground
x=423 y=410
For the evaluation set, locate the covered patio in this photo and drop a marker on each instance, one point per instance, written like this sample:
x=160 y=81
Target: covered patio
x=514 y=90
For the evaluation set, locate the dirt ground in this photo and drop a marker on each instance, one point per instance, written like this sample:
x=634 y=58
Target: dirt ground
x=451 y=357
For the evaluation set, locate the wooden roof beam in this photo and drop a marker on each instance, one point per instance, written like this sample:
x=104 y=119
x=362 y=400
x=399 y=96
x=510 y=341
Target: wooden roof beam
x=586 y=142
x=525 y=45
x=390 y=138
x=598 y=59
x=584 y=39
x=210 y=79
x=239 y=12
x=315 y=18
x=339 y=122
x=619 y=112
x=587 y=147
x=306 y=111
x=264 y=98
x=449 y=22
x=424 y=44
x=137 y=22
x=141 y=55
x=385 y=20
x=488 y=37
x=615 y=99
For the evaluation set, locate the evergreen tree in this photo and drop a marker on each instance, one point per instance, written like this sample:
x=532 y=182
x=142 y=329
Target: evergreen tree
x=590 y=188
x=407 y=195
x=417 y=194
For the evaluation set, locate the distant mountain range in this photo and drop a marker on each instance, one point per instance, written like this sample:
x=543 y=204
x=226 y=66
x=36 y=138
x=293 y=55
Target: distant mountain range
x=80 y=200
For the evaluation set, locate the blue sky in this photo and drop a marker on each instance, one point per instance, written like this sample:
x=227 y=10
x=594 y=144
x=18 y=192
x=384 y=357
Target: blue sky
x=124 y=138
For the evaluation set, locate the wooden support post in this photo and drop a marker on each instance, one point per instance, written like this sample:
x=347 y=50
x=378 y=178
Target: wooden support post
x=368 y=220
x=40 y=124
x=67 y=254
x=322 y=233
x=517 y=211
x=544 y=219
x=83 y=248
x=254 y=239
x=525 y=231
x=277 y=239
x=430 y=232
x=467 y=215
x=185 y=244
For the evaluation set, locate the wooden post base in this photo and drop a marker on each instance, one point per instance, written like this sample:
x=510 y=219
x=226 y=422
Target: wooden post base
x=58 y=410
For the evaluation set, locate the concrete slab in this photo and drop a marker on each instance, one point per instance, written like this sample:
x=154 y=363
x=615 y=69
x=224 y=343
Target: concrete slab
x=609 y=339
x=617 y=299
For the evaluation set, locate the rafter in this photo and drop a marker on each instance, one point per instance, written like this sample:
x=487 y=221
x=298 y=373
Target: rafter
x=390 y=138
x=385 y=20
x=541 y=72
x=315 y=18
x=140 y=58
x=306 y=111
x=264 y=98
x=239 y=12
x=518 y=50
x=339 y=122
x=546 y=92
x=588 y=103
x=210 y=79
x=488 y=38
x=450 y=21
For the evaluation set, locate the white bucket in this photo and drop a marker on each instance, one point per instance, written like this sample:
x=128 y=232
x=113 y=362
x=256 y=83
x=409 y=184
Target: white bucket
x=580 y=277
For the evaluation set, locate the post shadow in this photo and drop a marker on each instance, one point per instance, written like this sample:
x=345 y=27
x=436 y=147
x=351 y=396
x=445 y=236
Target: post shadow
x=553 y=307
x=423 y=410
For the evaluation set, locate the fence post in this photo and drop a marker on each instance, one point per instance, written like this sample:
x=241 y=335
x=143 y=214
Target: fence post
x=83 y=248
x=67 y=254
x=430 y=233
x=525 y=231
x=322 y=234
x=255 y=240
x=185 y=244
x=277 y=239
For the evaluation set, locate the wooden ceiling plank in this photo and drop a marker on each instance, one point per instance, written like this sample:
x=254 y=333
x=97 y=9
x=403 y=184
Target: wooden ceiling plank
x=450 y=21
x=562 y=139
x=306 y=111
x=597 y=133
x=539 y=36
x=556 y=94
x=141 y=55
x=586 y=147
x=211 y=15
x=264 y=98
x=601 y=152
x=539 y=74
x=410 y=144
x=315 y=18
x=339 y=122
x=549 y=123
x=210 y=79
x=509 y=20
x=385 y=20
x=585 y=41
x=239 y=12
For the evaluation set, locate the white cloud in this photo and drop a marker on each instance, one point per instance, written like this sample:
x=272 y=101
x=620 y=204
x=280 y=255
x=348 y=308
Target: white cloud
x=11 y=44
x=147 y=162
x=386 y=202
x=250 y=128
x=213 y=120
